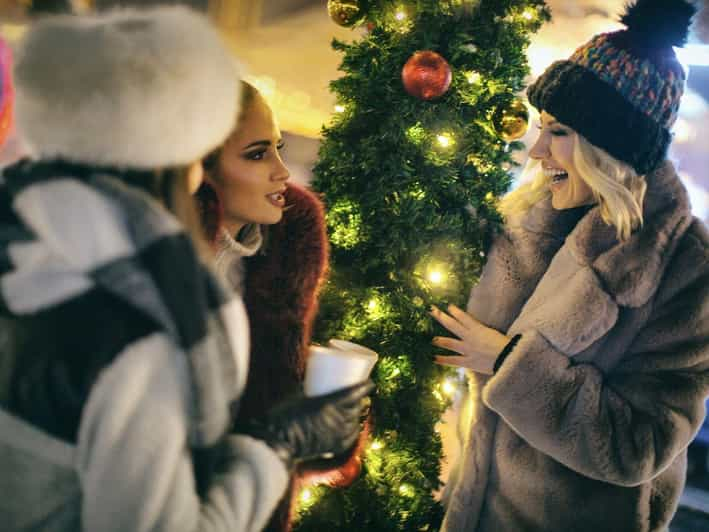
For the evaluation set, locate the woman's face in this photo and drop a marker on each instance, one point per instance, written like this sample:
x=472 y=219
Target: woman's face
x=251 y=177
x=554 y=150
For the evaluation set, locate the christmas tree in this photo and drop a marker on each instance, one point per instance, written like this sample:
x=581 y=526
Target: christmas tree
x=419 y=148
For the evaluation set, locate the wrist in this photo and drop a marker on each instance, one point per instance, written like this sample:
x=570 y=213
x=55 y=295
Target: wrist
x=268 y=434
x=500 y=344
x=504 y=353
x=283 y=452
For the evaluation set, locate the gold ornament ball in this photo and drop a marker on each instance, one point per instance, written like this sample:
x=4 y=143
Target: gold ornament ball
x=511 y=120
x=344 y=12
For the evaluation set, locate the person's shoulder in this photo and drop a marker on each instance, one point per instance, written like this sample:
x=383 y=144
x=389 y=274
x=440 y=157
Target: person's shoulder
x=689 y=263
x=699 y=232
x=685 y=280
x=695 y=243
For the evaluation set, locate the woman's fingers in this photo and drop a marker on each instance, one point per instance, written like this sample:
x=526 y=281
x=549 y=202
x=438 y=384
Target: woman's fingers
x=448 y=322
x=452 y=344
x=463 y=317
x=455 y=361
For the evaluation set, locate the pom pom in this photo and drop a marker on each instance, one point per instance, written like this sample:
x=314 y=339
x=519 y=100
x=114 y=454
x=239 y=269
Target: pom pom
x=659 y=23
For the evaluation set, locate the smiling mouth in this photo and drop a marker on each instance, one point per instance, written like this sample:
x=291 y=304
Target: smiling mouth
x=557 y=175
x=277 y=198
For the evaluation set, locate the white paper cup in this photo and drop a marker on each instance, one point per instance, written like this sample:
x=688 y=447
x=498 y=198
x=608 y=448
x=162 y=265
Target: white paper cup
x=330 y=368
x=344 y=345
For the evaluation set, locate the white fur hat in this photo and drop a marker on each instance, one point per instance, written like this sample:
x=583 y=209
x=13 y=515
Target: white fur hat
x=131 y=88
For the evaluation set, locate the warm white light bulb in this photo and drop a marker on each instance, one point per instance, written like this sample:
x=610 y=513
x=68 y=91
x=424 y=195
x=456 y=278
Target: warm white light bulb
x=435 y=276
x=444 y=140
x=406 y=490
x=472 y=77
x=306 y=495
x=528 y=14
x=339 y=108
x=448 y=388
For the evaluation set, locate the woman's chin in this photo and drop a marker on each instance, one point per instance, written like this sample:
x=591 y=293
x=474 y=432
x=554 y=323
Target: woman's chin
x=561 y=204
x=272 y=218
x=558 y=203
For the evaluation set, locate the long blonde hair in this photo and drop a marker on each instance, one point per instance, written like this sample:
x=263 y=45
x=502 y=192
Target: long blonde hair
x=616 y=187
x=170 y=187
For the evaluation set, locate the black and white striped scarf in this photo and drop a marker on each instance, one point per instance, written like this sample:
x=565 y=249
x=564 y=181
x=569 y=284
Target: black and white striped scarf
x=68 y=230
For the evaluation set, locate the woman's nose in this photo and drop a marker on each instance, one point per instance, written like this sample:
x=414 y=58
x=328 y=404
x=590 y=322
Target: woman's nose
x=540 y=150
x=280 y=172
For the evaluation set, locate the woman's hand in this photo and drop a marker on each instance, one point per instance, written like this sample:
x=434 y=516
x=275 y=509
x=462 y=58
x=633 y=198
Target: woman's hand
x=310 y=428
x=478 y=344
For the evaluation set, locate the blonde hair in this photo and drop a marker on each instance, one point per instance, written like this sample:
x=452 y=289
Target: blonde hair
x=248 y=94
x=616 y=187
x=170 y=187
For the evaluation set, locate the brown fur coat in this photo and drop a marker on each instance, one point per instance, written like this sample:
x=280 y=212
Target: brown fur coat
x=585 y=426
x=281 y=286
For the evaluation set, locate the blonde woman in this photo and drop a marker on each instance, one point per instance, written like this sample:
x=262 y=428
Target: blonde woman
x=587 y=336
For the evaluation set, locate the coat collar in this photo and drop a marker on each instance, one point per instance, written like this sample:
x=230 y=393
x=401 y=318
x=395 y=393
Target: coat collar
x=630 y=271
x=249 y=242
x=230 y=252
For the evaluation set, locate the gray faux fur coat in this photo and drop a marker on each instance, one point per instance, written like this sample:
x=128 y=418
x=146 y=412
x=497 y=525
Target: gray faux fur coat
x=585 y=426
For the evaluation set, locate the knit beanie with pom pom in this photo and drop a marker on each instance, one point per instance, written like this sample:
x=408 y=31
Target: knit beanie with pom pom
x=622 y=90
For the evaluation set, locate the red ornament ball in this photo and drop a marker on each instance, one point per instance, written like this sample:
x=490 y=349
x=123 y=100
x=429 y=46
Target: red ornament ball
x=426 y=75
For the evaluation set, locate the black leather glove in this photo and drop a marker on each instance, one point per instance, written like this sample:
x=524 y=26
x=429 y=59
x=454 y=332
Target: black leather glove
x=308 y=428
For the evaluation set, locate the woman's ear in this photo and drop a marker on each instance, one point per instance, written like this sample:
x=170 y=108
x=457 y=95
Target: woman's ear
x=195 y=175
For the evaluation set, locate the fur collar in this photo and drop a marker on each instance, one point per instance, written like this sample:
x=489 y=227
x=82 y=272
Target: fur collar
x=230 y=252
x=631 y=270
x=248 y=242
x=577 y=298
x=541 y=269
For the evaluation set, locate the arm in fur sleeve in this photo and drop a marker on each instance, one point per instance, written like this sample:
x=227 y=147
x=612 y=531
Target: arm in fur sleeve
x=281 y=295
x=135 y=466
x=280 y=292
x=626 y=426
